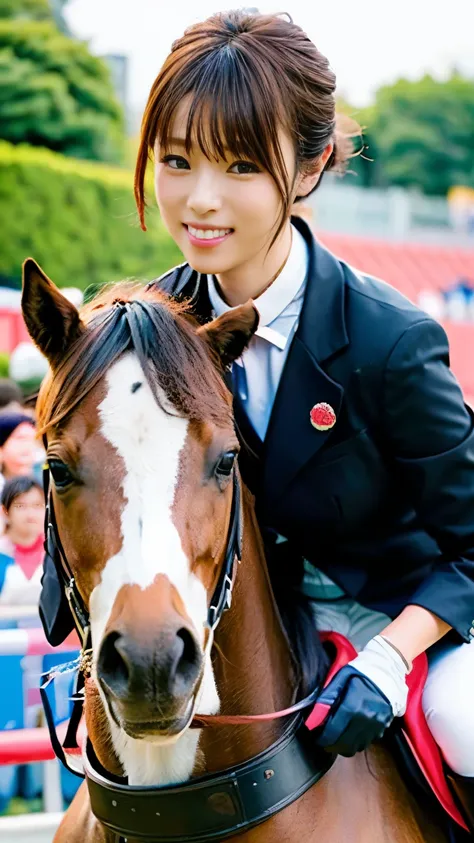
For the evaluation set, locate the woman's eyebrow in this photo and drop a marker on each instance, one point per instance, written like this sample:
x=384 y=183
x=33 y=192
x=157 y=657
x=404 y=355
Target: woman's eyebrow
x=176 y=142
x=182 y=142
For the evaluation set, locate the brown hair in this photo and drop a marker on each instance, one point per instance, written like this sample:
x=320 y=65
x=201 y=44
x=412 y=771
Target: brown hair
x=17 y=486
x=249 y=75
x=9 y=392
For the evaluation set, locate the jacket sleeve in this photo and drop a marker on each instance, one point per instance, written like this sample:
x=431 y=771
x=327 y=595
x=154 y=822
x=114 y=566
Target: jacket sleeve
x=175 y=281
x=431 y=436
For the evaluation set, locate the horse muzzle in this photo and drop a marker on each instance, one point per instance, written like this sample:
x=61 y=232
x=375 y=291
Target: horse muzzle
x=150 y=685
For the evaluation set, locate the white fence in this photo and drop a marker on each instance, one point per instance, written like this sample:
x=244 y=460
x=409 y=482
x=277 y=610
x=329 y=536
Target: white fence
x=340 y=205
x=30 y=828
x=20 y=746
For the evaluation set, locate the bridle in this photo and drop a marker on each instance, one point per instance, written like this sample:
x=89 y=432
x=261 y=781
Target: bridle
x=289 y=766
x=221 y=599
x=220 y=602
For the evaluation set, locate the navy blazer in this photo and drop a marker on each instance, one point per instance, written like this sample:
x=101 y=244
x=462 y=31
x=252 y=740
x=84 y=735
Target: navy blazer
x=384 y=501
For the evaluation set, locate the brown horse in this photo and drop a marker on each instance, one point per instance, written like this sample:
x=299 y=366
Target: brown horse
x=141 y=447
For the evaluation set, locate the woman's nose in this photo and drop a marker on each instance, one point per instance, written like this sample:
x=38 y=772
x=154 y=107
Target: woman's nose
x=204 y=196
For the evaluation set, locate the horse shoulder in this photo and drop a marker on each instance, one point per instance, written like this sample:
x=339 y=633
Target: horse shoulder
x=360 y=800
x=79 y=824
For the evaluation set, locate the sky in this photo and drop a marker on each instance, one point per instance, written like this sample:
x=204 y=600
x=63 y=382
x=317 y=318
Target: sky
x=368 y=43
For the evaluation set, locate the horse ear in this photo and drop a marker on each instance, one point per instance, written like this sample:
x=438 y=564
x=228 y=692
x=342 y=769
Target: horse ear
x=230 y=334
x=52 y=321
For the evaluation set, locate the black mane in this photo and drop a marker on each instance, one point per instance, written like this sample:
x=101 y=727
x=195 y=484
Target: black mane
x=285 y=568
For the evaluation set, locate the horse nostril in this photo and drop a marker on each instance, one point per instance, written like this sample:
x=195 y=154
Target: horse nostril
x=188 y=660
x=112 y=667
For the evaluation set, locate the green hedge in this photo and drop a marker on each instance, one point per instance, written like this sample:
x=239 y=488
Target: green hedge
x=4 y=364
x=77 y=219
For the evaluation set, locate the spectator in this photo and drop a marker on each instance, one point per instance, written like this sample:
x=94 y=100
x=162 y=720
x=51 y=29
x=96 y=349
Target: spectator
x=11 y=396
x=27 y=367
x=18 y=446
x=21 y=547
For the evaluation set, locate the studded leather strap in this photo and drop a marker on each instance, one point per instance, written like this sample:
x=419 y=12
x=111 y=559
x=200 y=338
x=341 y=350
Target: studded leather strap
x=212 y=807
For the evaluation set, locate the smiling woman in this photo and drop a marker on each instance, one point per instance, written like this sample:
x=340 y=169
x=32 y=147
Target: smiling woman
x=147 y=522
x=236 y=140
x=241 y=123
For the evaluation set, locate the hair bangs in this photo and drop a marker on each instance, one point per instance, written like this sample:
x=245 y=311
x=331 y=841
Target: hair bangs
x=225 y=118
x=233 y=112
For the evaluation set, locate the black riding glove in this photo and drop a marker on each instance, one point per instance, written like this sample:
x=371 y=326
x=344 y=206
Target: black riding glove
x=360 y=710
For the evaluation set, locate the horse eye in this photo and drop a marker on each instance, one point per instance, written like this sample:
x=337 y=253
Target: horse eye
x=226 y=464
x=61 y=475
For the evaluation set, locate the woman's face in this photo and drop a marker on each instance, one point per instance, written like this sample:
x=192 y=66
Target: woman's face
x=27 y=512
x=222 y=214
x=18 y=454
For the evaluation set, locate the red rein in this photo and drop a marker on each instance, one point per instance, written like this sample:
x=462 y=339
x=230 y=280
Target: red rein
x=344 y=652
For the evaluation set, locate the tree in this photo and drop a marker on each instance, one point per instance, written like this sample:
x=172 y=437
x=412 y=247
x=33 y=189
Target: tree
x=365 y=163
x=424 y=133
x=36 y=10
x=53 y=92
x=26 y=9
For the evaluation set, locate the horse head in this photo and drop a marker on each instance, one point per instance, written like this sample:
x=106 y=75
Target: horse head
x=141 y=450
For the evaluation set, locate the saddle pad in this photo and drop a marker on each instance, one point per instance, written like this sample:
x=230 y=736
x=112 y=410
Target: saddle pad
x=415 y=728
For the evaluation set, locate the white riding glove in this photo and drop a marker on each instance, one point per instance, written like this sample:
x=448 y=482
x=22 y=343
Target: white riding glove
x=387 y=669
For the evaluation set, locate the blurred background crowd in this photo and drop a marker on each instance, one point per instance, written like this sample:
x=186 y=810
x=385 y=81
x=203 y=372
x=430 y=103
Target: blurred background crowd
x=74 y=77
x=21 y=493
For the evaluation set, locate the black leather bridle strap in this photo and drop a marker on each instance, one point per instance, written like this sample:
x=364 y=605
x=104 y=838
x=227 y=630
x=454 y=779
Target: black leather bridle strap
x=215 y=807
x=222 y=597
x=54 y=548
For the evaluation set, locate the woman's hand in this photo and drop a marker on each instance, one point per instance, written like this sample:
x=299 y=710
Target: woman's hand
x=364 y=696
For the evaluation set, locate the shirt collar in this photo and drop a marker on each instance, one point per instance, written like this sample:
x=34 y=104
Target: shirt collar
x=279 y=295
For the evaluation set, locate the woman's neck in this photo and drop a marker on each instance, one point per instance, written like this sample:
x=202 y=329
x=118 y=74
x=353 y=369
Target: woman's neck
x=249 y=280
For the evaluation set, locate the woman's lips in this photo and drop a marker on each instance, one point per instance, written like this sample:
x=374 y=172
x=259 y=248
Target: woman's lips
x=205 y=238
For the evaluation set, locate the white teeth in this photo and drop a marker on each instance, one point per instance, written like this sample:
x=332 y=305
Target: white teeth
x=208 y=234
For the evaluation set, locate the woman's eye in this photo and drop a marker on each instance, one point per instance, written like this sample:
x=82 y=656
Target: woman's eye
x=175 y=162
x=60 y=472
x=243 y=168
x=226 y=464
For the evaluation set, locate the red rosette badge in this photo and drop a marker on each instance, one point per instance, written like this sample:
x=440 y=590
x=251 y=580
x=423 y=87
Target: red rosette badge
x=322 y=416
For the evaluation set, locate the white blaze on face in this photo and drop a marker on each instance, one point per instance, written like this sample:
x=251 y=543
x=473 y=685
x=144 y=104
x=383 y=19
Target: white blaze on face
x=150 y=442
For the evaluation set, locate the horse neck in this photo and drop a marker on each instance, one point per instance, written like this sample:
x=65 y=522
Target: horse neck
x=253 y=664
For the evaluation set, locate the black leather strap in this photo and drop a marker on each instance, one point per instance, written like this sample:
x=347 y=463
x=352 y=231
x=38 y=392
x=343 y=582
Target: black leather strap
x=222 y=597
x=70 y=741
x=212 y=807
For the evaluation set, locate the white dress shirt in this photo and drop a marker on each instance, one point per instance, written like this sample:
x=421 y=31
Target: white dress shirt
x=261 y=365
x=257 y=373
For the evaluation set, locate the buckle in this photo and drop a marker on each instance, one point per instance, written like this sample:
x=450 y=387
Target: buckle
x=215 y=612
x=69 y=590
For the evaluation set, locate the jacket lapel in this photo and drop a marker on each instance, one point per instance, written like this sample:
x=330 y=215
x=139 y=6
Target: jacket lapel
x=291 y=439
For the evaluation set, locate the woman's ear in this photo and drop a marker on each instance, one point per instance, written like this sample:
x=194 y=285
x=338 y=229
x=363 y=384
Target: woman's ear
x=308 y=180
x=229 y=335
